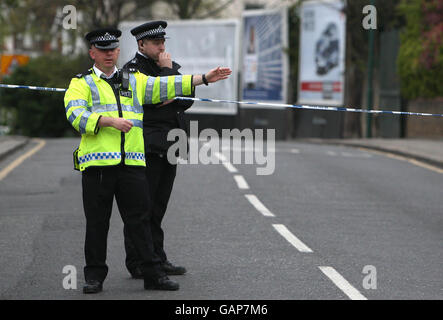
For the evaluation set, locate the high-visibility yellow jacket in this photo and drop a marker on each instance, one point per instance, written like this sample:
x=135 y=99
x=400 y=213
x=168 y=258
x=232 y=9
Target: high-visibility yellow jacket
x=89 y=97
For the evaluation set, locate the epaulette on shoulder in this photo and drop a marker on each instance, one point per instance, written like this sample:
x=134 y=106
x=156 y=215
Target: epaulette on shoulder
x=81 y=75
x=131 y=66
x=128 y=69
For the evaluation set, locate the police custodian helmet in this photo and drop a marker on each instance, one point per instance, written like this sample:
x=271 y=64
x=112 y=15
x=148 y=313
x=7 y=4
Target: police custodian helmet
x=150 y=30
x=105 y=38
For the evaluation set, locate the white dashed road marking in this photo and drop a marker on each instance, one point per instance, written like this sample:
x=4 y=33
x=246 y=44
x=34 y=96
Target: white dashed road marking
x=330 y=272
x=227 y=164
x=292 y=239
x=241 y=182
x=342 y=283
x=258 y=205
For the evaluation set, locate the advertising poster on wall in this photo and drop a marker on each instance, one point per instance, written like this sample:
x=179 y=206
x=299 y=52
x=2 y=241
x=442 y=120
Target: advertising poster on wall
x=264 y=69
x=322 y=53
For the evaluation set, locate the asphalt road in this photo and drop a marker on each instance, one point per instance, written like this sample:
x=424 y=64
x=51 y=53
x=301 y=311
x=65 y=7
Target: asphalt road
x=330 y=223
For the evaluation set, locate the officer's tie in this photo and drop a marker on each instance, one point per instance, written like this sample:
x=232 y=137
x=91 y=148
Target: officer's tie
x=113 y=81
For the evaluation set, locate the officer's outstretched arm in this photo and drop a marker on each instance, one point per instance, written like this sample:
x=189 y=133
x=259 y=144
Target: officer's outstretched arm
x=214 y=75
x=160 y=89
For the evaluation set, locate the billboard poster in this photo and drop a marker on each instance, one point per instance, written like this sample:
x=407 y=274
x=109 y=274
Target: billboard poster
x=264 y=62
x=322 y=53
x=198 y=46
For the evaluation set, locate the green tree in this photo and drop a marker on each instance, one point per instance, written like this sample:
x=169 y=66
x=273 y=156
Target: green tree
x=420 y=60
x=32 y=18
x=42 y=20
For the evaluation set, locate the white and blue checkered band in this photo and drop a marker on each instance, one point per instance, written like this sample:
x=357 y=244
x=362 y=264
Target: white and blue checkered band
x=105 y=37
x=135 y=156
x=152 y=32
x=99 y=156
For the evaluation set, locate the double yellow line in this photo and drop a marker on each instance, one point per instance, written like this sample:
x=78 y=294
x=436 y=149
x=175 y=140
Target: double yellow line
x=40 y=144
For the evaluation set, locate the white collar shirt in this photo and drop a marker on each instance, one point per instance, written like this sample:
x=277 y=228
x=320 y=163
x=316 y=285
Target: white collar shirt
x=98 y=72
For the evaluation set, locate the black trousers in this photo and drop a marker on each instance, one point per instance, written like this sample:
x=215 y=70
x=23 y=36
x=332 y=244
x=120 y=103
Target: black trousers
x=128 y=185
x=160 y=176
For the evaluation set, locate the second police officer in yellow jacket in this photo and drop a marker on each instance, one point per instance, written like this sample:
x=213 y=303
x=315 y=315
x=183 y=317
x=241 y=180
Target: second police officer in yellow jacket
x=106 y=106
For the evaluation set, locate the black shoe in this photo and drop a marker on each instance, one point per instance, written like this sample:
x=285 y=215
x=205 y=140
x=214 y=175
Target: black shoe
x=161 y=283
x=136 y=273
x=92 y=286
x=172 y=270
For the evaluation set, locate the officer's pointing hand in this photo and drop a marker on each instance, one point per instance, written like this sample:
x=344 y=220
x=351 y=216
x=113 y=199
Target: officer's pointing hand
x=219 y=73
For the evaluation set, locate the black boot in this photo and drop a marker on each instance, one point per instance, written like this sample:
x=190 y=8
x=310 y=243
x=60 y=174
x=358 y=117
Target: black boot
x=160 y=283
x=136 y=273
x=172 y=270
x=92 y=286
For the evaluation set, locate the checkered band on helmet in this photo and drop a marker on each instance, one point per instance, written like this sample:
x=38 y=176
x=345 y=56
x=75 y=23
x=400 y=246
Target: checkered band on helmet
x=153 y=32
x=105 y=37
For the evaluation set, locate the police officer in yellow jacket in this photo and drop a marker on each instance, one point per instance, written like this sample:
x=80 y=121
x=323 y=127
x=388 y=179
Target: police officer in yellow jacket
x=105 y=106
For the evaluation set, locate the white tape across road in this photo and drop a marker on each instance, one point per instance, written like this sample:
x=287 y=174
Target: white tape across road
x=322 y=108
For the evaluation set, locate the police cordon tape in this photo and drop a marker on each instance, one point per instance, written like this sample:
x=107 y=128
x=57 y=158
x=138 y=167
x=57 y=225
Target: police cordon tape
x=306 y=107
x=14 y=86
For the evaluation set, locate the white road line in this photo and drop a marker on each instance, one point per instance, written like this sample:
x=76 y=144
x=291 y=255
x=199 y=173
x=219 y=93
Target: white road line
x=220 y=156
x=241 y=149
x=355 y=155
x=295 y=151
x=229 y=167
x=258 y=205
x=292 y=239
x=331 y=153
x=342 y=283
x=227 y=164
x=19 y=160
x=347 y=154
x=241 y=182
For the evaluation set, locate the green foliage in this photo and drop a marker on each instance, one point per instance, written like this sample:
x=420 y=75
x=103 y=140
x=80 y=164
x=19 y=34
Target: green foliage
x=420 y=60
x=41 y=113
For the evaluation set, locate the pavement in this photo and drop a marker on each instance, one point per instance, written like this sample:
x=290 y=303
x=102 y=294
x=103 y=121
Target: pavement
x=426 y=150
